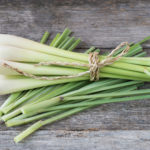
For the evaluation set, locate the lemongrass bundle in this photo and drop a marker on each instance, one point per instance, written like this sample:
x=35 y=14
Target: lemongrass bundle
x=19 y=56
x=41 y=103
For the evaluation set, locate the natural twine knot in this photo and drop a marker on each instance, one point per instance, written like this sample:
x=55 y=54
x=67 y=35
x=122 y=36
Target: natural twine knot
x=94 y=65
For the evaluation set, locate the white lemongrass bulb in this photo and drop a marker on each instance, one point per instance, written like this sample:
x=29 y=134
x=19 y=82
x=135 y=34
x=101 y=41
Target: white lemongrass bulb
x=16 y=41
x=10 y=84
x=36 y=70
x=12 y=53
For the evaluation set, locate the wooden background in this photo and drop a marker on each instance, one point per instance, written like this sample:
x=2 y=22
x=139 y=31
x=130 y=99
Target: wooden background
x=104 y=24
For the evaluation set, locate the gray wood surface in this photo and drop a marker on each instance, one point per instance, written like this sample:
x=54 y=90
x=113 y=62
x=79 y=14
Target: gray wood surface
x=103 y=24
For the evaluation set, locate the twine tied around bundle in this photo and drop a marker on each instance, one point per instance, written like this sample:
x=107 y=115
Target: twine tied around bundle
x=94 y=65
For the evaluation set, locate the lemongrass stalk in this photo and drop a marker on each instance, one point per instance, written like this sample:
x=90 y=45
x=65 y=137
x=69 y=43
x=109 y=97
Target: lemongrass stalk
x=45 y=70
x=60 y=39
x=35 y=46
x=55 y=39
x=58 y=108
x=22 y=119
x=39 y=124
x=23 y=55
x=97 y=50
x=101 y=95
x=101 y=101
x=56 y=100
x=144 y=40
x=15 y=122
x=68 y=43
x=126 y=72
x=133 y=50
x=65 y=40
x=28 y=95
x=11 y=115
x=91 y=49
x=30 y=130
x=36 y=70
x=103 y=86
x=116 y=76
x=129 y=88
x=72 y=47
x=45 y=37
x=23 y=83
x=10 y=99
x=61 y=90
x=141 y=54
x=56 y=92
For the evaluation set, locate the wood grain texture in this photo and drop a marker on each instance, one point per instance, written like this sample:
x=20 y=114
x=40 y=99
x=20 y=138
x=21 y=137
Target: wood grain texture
x=103 y=24
x=98 y=22
x=79 y=140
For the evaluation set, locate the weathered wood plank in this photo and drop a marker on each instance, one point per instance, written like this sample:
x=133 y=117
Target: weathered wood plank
x=100 y=23
x=77 y=140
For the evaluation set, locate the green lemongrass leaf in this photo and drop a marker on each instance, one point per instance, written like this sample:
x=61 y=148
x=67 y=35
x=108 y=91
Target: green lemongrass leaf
x=64 y=42
x=55 y=39
x=45 y=37
x=61 y=38
x=72 y=47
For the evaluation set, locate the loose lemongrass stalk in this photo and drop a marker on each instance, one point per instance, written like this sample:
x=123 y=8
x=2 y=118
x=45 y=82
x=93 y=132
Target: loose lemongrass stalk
x=56 y=100
x=39 y=124
x=23 y=119
x=45 y=37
